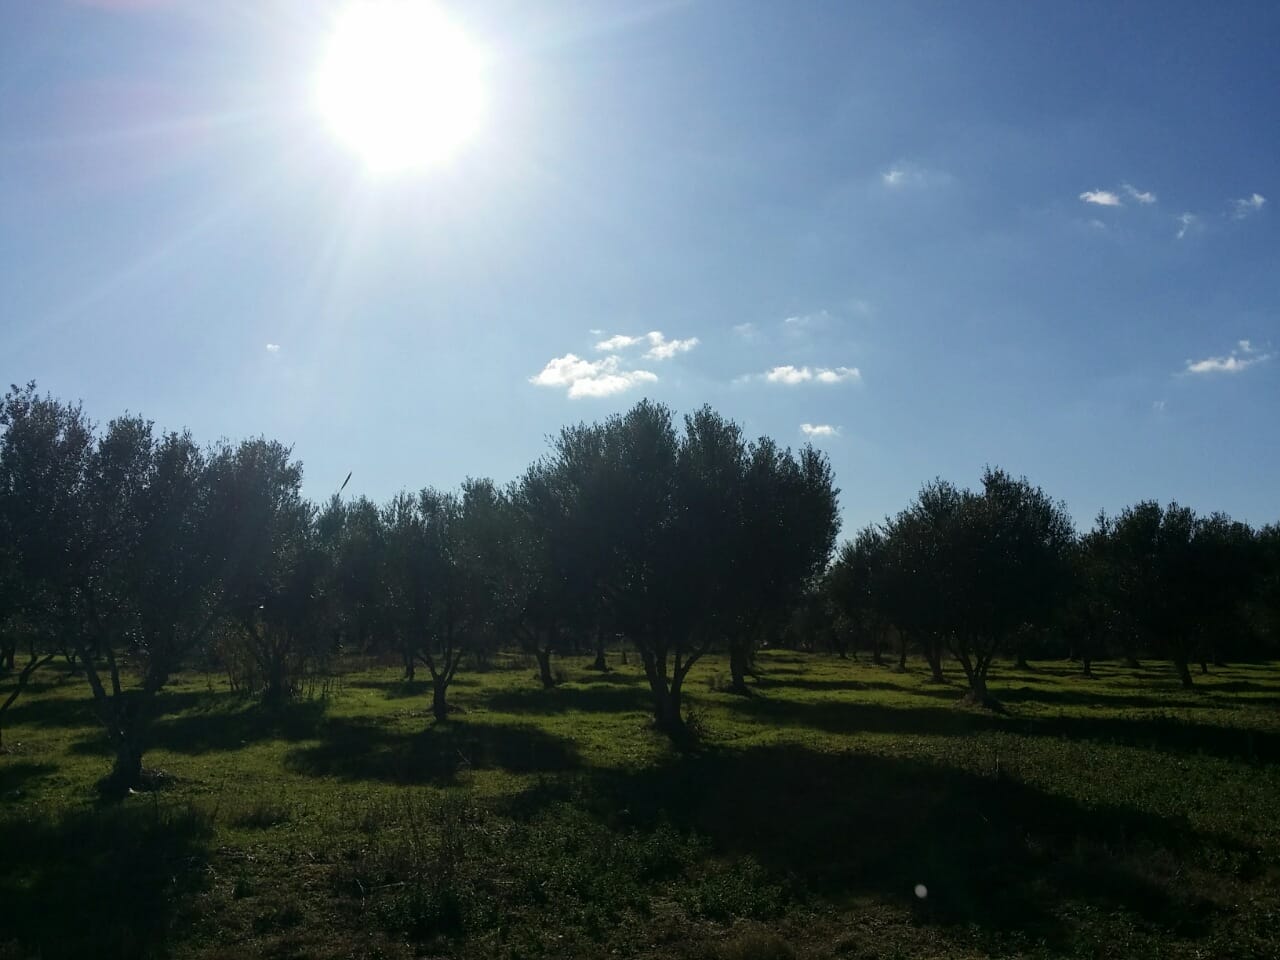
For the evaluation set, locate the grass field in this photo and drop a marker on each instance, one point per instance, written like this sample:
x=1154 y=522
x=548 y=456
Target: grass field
x=1119 y=817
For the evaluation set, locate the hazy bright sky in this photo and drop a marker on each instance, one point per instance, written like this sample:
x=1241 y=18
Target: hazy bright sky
x=1038 y=235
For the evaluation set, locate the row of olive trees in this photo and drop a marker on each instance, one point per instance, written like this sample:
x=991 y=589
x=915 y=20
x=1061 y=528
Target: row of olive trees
x=1002 y=570
x=134 y=554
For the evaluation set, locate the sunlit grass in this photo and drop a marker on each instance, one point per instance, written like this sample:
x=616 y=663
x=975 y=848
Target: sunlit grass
x=557 y=823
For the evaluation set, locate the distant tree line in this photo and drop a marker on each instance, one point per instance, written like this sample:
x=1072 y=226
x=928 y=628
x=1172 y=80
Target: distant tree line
x=974 y=574
x=132 y=554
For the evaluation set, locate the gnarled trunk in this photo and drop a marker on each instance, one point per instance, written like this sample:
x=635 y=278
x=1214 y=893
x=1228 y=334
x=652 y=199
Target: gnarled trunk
x=439 y=705
x=1184 y=673
x=933 y=653
x=739 y=665
x=600 y=663
x=544 y=668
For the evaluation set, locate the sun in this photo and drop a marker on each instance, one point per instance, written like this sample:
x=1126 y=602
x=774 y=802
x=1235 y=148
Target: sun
x=400 y=84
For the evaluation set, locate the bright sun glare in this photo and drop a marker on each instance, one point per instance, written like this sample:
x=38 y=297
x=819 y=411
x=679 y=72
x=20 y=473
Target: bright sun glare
x=400 y=84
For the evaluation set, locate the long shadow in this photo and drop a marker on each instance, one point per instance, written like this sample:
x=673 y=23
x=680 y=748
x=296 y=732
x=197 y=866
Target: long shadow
x=766 y=682
x=358 y=750
x=1088 y=698
x=226 y=725
x=16 y=774
x=612 y=678
x=78 y=711
x=111 y=882
x=994 y=854
x=596 y=698
x=1163 y=734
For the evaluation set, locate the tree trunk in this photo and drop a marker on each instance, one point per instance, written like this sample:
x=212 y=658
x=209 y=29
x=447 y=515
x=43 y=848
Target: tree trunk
x=8 y=655
x=1086 y=666
x=544 y=668
x=934 y=655
x=410 y=667
x=439 y=706
x=1021 y=663
x=1184 y=674
x=601 y=663
x=738 y=667
x=1131 y=661
x=902 y=652
x=877 y=643
x=126 y=772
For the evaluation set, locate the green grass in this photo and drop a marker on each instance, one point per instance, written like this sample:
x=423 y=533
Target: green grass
x=1114 y=817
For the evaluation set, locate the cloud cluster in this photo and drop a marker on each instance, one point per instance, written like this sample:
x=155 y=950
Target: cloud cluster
x=660 y=348
x=790 y=375
x=1244 y=356
x=1247 y=205
x=1110 y=198
x=1101 y=198
x=819 y=430
x=273 y=348
x=590 y=378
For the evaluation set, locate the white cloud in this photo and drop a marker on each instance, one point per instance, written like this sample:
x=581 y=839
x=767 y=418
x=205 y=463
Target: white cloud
x=660 y=348
x=595 y=331
x=1244 y=356
x=747 y=330
x=791 y=375
x=905 y=174
x=273 y=348
x=663 y=349
x=618 y=342
x=1248 y=205
x=590 y=378
x=1186 y=223
x=1157 y=406
x=1103 y=198
x=1142 y=196
x=806 y=320
x=819 y=430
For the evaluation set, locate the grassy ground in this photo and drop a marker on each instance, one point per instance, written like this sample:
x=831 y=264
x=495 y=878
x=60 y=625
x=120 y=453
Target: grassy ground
x=1113 y=817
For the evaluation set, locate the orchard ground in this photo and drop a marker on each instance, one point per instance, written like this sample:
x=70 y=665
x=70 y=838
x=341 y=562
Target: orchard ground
x=843 y=810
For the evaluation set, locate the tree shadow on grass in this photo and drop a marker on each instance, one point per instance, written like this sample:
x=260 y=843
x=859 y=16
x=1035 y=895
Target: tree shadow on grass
x=78 y=711
x=592 y=698
x=111 y=882
x=359 y=750
x=226 y=725
x=994 y=854
x=1153 y=732
x=16 y=774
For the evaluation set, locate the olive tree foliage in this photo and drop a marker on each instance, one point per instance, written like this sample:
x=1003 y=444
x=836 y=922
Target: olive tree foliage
x=444 y=576
x=972 y=568
x=275 y=570
x=682 y=540
x=856 y=585
x=1185 y=580
x=785 y=517
x=114 y=535
x=353 y=535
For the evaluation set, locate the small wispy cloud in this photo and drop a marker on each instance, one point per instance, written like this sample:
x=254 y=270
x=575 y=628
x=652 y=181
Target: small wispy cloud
x=1142 y=196
x=595 y=332
x=1157 y=406
x=590 y=378
x=747 y=331
x=1247 y=206
x=789 y=375
x=819 y=430
x=803 y=321
x=660 y=348
x=1187 y=222
x=906 y=173
x=1101 y=198
x=273 y=348
x=1244 y=356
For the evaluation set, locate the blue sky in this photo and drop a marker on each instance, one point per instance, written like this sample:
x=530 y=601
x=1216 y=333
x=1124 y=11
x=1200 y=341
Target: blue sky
x=1042 y=236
